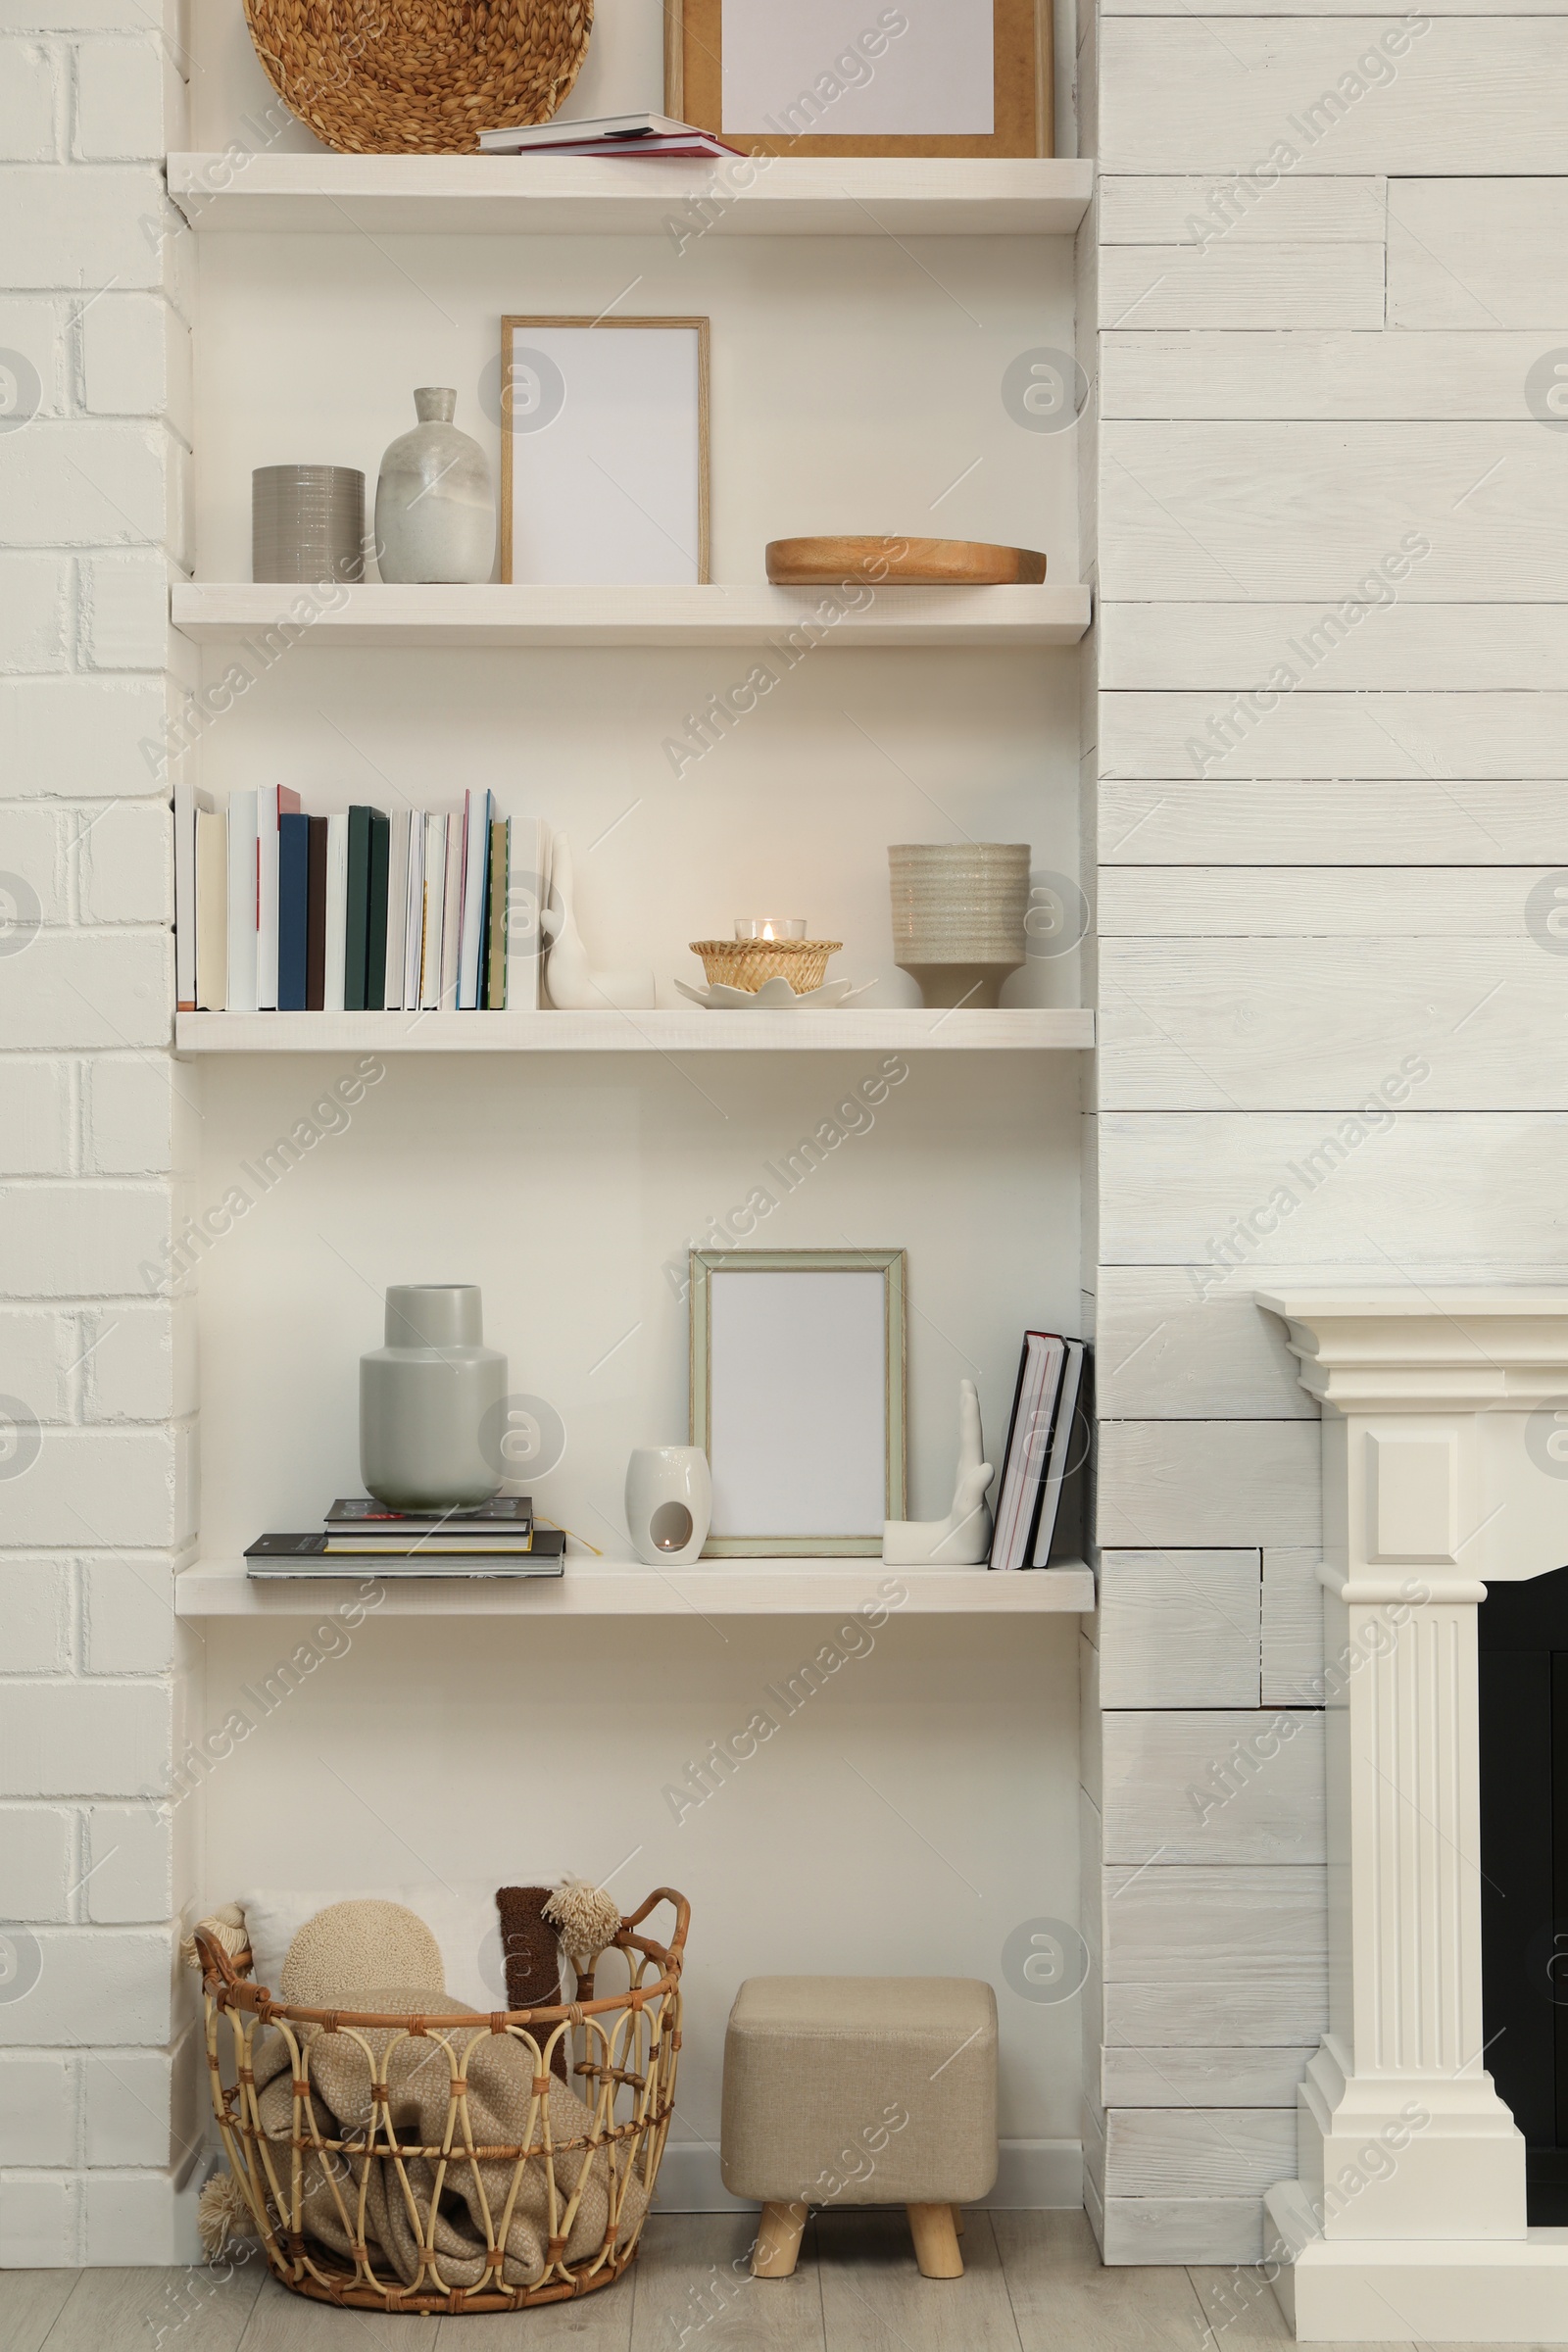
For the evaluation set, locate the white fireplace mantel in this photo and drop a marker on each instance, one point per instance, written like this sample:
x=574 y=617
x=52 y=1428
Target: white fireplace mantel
x=1445 y=1467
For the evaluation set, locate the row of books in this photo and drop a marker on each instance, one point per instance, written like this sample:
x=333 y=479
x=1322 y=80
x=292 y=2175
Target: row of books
x=279 y=912
x=1046 y=1465
x=608 y=134
x=362 y=1537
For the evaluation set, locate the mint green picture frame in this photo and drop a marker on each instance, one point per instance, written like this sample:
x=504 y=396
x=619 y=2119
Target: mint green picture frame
x=710 y=1265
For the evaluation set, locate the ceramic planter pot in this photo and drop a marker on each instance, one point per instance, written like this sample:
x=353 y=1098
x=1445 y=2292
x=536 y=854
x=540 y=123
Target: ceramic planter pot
x=435 y=514
x=670 y=1505
x=423 y=1396
x=958 y=916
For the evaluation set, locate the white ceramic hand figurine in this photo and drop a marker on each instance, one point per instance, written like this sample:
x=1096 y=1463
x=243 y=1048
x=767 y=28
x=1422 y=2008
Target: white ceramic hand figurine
x=572 y=986
x=963 y=1538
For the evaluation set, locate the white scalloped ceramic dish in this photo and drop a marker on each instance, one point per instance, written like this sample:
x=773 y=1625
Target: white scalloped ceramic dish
x=774 y=996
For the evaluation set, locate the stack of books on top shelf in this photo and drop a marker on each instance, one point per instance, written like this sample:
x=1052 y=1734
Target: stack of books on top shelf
x=278 y=912
x=1044 y=1469
x=608 y=134
x=360 y=1537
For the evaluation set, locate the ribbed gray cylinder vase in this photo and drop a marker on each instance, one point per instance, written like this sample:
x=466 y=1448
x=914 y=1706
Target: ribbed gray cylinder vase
x=307 y=522
x=423 y=1398
x=958 y=916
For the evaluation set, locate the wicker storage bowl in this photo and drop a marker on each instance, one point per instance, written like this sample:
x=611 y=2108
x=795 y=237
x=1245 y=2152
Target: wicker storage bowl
x=747 y=962
x=420 y=76
x=621 y=2051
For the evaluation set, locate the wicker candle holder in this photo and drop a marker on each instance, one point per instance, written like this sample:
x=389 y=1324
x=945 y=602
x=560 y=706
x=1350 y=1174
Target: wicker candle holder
x=746 y=963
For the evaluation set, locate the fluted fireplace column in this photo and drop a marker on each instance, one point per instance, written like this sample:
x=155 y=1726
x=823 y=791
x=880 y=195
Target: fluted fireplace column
x=1440 y=1473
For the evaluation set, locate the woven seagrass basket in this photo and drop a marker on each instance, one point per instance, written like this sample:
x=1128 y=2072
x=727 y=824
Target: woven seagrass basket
x=622 y=2051
x=418 y=76
x=747 y=962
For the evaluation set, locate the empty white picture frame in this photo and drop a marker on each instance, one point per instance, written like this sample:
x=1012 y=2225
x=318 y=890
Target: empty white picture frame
x=604 y=451
x=788 y=78
x=798 y=1399
x=923 y=70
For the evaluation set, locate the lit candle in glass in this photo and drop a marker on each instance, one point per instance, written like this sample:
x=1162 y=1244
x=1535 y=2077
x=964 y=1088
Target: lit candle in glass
x=770 y=926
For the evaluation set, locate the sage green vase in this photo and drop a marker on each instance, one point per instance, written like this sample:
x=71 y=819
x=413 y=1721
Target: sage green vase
x=423 y=1402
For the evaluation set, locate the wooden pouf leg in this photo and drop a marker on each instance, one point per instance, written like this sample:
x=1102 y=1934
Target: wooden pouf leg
x=936 y=2241
x=778 y=2240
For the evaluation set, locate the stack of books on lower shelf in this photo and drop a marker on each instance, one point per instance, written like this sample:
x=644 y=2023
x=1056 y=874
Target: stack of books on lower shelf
x=360 y=1537
x=420 y=912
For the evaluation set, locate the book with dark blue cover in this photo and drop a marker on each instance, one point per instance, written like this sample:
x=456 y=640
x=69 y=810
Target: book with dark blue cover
x=358 y=907
x=315 y=919
x=293 y=910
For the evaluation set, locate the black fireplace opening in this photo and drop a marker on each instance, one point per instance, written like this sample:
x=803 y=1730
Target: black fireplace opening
x=1524 y=1867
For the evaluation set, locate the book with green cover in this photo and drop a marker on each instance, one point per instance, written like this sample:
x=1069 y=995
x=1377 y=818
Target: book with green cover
x=375 y=922
x=356 y=926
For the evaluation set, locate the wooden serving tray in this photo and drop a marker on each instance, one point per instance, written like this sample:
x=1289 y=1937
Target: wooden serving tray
x=902 y=562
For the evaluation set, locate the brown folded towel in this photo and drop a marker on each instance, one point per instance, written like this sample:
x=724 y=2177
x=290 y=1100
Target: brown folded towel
x=531 y=1955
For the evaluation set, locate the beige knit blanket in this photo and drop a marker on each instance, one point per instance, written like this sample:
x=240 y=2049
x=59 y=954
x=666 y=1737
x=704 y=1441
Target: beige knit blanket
x=398 y=2195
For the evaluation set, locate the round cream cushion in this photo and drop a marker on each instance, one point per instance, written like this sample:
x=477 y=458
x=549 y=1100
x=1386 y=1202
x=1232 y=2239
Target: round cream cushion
x=352 y=1945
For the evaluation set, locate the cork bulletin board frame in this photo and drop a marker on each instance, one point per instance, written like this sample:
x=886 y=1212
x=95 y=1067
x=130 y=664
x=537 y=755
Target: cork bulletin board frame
x=1021 y=82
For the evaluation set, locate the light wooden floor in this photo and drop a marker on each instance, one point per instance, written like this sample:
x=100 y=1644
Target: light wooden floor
x=1032 y=2283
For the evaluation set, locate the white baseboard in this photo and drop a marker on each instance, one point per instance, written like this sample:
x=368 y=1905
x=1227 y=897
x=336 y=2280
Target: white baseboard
x=138 y=2219
x=1035 y=2176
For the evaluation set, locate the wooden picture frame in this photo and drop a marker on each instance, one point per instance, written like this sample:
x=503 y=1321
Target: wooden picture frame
x=782 y=1401
x=1022 y=88
x=560 y=330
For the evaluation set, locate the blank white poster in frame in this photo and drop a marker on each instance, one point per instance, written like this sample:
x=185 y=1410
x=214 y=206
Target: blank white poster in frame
x=927 y=78
x=604 y=451
x=798 y=1399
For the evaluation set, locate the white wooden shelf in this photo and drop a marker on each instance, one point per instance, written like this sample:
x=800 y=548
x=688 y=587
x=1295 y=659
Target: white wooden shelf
x=897 y=1028
x=224 y=613
x=434 y=195
x=626 y=1588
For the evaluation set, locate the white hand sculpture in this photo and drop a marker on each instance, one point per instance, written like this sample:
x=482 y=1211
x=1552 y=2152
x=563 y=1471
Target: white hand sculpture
x=963 y=1538
x=572 y=986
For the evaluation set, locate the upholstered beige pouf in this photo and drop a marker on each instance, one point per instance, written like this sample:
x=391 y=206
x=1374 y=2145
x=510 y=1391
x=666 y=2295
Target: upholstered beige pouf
x=861 y=2090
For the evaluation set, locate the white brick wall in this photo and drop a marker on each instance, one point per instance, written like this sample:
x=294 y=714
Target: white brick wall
x=36 y=1851
x=38 y=2101
x=27 y=104
x=36 y=1610
x=99 y=2123
x=35 y=597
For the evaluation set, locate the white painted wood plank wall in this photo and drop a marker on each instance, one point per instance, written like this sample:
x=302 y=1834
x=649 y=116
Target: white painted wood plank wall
x=1326 y=744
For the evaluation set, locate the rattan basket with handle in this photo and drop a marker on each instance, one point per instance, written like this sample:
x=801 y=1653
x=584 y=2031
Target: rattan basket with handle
x=418 y=76
x=622 y=2051
x=747 y=962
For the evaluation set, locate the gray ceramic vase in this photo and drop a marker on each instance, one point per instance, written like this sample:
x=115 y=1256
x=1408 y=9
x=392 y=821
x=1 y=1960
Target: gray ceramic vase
x=435 y=513
x=424 y=1399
